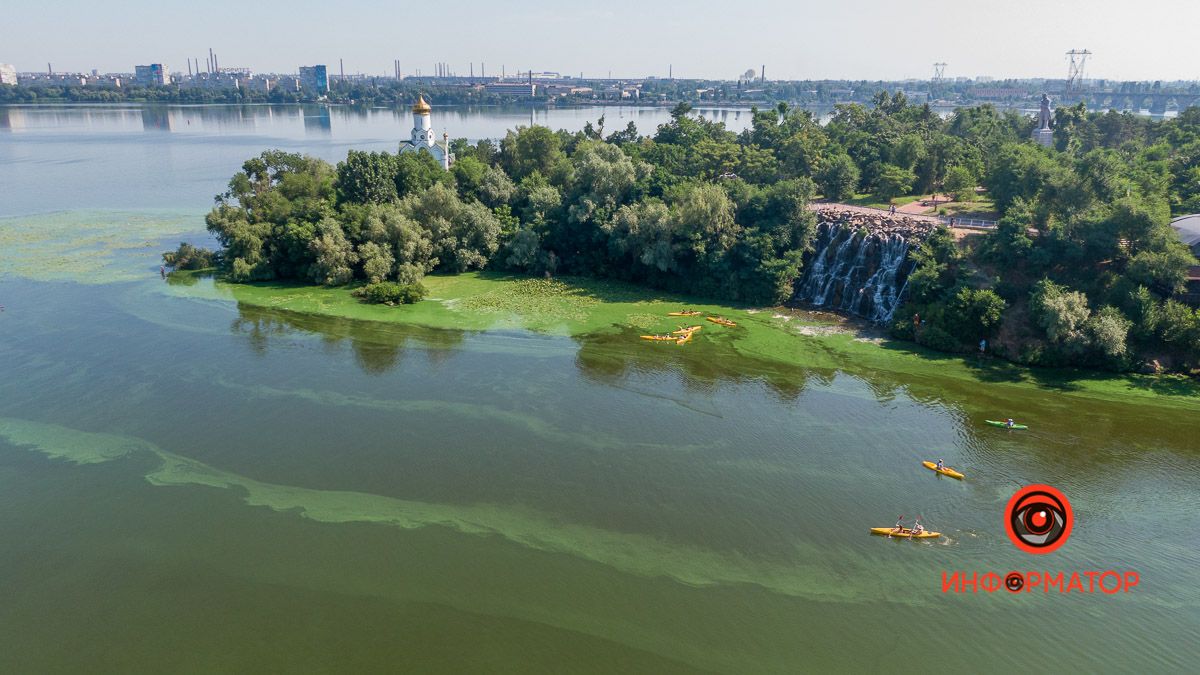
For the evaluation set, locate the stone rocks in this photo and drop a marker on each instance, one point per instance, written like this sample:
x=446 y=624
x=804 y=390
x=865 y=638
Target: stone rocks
x=911 y=228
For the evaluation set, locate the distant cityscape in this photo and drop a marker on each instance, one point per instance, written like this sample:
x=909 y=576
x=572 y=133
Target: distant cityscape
x=322 y=82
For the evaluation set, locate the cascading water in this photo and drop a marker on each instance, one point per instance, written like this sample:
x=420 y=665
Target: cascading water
x=864 y=275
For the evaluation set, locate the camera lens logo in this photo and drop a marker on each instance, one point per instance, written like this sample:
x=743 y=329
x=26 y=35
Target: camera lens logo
x=1038 y=519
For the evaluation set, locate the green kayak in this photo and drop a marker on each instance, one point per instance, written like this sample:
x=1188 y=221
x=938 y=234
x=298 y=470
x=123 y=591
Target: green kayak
x=1005 y=425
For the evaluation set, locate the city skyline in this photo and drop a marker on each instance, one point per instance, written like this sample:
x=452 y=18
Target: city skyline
x=1024 y=39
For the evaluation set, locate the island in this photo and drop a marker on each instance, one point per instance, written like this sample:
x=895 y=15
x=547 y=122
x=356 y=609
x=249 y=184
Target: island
x=1078 y=266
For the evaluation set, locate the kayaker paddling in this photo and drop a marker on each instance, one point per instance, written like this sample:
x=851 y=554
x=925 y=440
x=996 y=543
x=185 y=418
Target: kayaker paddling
x=1009 y=422
x=941 y=464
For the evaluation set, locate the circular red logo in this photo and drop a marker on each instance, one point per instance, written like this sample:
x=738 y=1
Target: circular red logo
x=1038 y=519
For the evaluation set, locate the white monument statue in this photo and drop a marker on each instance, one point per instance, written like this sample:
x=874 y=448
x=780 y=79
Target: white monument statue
x=1044 y=135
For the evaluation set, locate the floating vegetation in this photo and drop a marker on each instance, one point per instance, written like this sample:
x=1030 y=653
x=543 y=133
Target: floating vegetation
x=91 y=246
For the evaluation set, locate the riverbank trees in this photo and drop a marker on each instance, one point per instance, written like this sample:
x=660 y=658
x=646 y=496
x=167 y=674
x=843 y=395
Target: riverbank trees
x=696 y=208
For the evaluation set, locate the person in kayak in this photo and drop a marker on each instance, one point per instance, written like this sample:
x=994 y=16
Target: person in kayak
x=941 y=464
x=1009 y=423
x=917 y=528
x=900 y=524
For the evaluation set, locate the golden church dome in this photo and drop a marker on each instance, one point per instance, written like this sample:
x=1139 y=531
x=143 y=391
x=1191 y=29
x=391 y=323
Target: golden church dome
x=421 y=107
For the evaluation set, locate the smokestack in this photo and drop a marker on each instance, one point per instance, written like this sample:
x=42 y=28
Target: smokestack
x=189 y=68
x=482 y=72
x=763 y=78
x=472 y=70
x=211 y=62
x=671 y=72
x=49 y=69
x=342 y=70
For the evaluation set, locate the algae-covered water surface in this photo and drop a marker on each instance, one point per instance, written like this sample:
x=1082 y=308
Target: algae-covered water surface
x=197 y=476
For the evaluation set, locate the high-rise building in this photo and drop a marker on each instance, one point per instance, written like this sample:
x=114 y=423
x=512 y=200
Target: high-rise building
x=8 y=74
x=314 y=78
x=153 y=75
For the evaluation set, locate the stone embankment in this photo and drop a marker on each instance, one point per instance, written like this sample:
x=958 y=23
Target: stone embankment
x=877 y=222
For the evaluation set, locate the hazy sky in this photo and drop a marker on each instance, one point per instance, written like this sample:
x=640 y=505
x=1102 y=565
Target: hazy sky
x=867 y=39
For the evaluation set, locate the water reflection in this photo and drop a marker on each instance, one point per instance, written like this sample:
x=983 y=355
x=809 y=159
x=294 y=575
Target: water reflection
x=317 y=121
x=377 y=347
x=156 y=118
x=610 y=358
x=345 y=123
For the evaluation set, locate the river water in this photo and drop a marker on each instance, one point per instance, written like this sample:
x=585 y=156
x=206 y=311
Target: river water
x=187 y=483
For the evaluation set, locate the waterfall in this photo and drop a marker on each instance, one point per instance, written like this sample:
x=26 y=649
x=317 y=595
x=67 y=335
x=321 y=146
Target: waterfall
x=860 y=275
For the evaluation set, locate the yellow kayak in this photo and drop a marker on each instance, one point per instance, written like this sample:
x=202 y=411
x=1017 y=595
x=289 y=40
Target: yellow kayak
x=660 y=338
x=945 y=471
x=687 y=337
x=686 y=312
x=722 y=321
x=904 y=533
x=686 y=331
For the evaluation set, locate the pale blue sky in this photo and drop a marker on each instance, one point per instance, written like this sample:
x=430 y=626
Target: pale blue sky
x=868 y=39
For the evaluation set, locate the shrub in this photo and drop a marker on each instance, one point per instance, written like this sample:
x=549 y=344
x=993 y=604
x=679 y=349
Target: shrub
x=936 y=338
x=391 y=293
x=188 y=257
x=974 y=313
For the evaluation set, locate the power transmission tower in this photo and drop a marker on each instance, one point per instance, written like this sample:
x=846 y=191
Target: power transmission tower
x=1078 y=58
x=939 y=73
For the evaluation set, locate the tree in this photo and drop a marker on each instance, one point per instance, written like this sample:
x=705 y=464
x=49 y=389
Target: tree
x=417 y=172
x=377 y=261
x=460 y=236
x=496 y=189
x=1060 y=312
x=973 y=313
x=468 y=175
x=642 y=235
x=893 y=181
x=1108 y=330
x=367 y=178
x=704 y=219
x=960 y=182
x=530 y=149
x=1163 y=271
x=333 y=255
x=838 y=178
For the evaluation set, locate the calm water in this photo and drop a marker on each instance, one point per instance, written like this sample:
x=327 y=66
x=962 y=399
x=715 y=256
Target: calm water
x=190 y=484
x=137 y=157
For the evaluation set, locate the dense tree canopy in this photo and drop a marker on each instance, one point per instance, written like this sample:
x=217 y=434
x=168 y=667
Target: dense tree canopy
x=1082 y=268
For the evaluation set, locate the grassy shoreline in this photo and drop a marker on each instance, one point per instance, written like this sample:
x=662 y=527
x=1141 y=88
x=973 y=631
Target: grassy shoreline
x=575 y=307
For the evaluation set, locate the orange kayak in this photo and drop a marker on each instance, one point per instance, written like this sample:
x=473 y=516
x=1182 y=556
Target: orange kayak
x=945 y=470
x=904 y=533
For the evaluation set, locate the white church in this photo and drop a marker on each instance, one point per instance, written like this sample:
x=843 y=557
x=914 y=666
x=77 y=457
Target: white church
x=423 y=137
